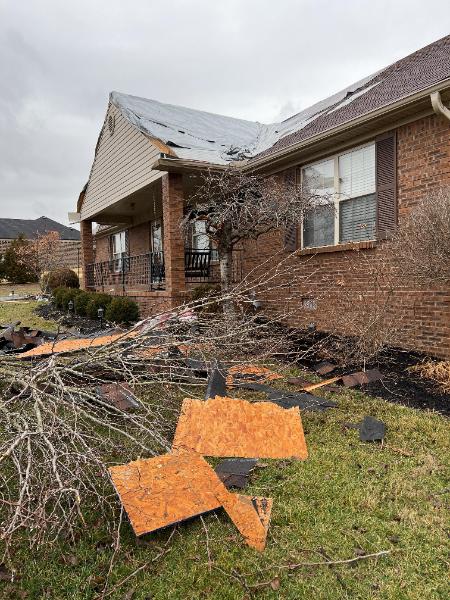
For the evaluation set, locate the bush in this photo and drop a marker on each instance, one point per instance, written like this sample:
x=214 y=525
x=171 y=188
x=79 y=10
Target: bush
x=204 y=291
x=62 y=277
x=81 y=302
x=96 y=301
x=58 y=294
x=122 y=310
x=66 y=295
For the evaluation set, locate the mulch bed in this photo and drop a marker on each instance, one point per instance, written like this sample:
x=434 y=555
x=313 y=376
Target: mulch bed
x=83 y=325
x=398 y=385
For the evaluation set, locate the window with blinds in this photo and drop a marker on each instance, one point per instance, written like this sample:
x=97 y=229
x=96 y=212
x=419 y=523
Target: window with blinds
x=342 y=192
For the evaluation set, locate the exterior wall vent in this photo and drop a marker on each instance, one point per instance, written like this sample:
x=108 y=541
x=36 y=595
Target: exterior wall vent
x=111 y=124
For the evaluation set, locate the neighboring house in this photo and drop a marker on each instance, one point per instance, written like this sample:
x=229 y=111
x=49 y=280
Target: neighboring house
x=380 y=143
x=10 y=229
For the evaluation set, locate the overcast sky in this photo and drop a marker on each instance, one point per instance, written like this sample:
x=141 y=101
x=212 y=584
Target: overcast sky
x=255 y=59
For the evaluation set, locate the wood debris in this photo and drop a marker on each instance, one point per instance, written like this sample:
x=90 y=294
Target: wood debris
x=232 y=427
x=250 y=372
x=74 y=345
x=168 y=489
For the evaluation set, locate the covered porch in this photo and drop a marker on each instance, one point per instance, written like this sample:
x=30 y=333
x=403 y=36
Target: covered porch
x=140 y=249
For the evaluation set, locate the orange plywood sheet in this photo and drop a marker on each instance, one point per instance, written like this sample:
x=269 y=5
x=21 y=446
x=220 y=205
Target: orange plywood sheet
x=161 y=491
x=233 y=427
x=251 y=516
x=65 y=346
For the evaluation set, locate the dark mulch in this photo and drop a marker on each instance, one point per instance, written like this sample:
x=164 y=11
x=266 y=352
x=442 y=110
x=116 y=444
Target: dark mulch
x=83 y=325
x=398 y=384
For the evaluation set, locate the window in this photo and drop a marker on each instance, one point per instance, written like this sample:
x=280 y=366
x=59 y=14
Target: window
x=343 y=199
x=200 y=240
x=118 y=249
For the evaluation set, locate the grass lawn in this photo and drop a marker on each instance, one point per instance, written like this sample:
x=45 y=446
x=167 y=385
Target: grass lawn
x=349 y=498
x=23 y=312
x=19 y=288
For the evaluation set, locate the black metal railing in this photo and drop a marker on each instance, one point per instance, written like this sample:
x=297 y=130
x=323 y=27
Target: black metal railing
x=147 y=271
x=139 y=271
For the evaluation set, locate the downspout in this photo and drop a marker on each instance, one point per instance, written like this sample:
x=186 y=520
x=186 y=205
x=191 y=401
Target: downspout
x=438 y=105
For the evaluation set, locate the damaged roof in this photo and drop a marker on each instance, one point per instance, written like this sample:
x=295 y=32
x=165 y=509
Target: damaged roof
x=218 y=139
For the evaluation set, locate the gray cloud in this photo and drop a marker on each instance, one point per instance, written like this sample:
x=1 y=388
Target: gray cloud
x=254 y=59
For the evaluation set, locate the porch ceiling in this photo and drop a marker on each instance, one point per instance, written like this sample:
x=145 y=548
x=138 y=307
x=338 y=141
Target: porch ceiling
x=140 y=206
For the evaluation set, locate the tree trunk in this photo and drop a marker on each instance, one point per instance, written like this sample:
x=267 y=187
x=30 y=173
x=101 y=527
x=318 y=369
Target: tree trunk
x=226 y=277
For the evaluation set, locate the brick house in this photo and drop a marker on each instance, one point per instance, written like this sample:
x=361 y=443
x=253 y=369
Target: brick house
x=70 y=237
x=378 y=145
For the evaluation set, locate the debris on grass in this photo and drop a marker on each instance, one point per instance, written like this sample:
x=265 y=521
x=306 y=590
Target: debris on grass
x=216 y=382
x=314 y=386
x=235 y=472
x=304 y=400
x=237 y=428
x=74 y=345
x=168 y=489
x=324 y=367
x=371 y=430
x=361 y=377
x=119 y=395
x=238 y=373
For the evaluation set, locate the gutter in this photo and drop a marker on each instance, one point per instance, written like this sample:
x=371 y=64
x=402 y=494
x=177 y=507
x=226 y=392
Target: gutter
x=438 y=105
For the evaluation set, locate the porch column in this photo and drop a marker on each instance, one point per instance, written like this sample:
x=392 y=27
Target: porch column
x=173 y=204
x=87 y=249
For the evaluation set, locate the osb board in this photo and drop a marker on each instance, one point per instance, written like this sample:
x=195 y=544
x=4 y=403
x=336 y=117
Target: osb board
x=161 y=491
x=251 y=516
x=64 y=346
x=165 y=490
x=230 y=427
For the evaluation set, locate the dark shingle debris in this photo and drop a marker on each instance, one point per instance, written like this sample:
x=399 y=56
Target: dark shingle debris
x=234 y=472
x=216 y=382
x=120 y=395
x=371 y=430
x=324 y=367
x=361 y=377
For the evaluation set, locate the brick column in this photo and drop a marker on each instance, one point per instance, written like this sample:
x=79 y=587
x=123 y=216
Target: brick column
x=173 y=204
x=87 y=248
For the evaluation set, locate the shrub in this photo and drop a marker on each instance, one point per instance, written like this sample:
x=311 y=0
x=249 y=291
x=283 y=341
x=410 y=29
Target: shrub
x=81 y=302
x=122 y=310
x=204 y=291
x=96 y=301
x=66 y=295
x=62 y=277
x=58 y=294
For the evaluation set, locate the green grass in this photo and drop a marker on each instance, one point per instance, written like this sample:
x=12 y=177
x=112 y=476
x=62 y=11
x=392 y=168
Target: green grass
x=24 y=312
x=348 y=498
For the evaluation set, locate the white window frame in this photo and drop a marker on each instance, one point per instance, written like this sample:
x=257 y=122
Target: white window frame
x=337 y=190
x=117 y=257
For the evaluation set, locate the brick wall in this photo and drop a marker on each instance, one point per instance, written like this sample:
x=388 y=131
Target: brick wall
x=340 y=290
